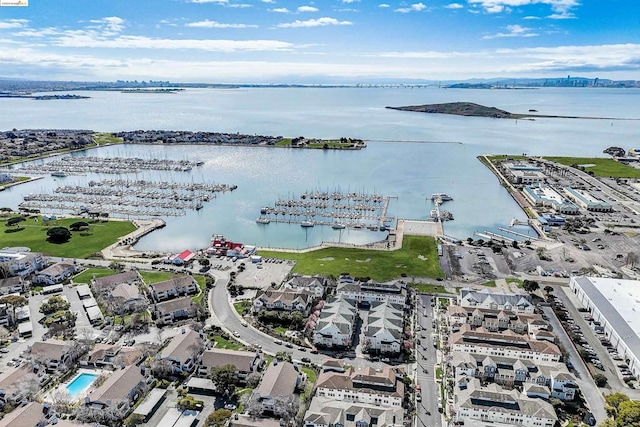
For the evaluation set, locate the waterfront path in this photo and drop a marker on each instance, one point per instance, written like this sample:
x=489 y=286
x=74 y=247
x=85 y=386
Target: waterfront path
x=123 y=248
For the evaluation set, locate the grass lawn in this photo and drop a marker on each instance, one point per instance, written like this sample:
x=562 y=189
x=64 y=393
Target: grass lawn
x=425 y=288
x=489 y=284
x=226 y=343
x=157 y=276
x=106 y=138
x=311 y=380
x=280 y=329
x=602 y=166
x=240 y=306
x=418 y=257
x=87 y=275
x=33 y=234
x=438 y=373
x=202 y=284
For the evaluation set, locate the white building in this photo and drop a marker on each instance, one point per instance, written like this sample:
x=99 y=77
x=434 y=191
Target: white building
x=506 y=344
x=336 y=324
x=493 y=404
x=365 y=385
x=20 y=261
x=519 y=303
x=55 y=273
x=325 y=412
x=385 y=327
x=615 y=303
x=315 y=285
x=371 y=292
x=523 y=173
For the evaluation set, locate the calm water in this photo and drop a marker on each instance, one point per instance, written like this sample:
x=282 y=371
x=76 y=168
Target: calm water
x=446 y=162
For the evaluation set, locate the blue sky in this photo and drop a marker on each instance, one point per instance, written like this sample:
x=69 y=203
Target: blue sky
x=350 y=41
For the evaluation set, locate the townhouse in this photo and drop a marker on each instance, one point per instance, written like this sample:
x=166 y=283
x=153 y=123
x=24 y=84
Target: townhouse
x=174 y=310
x=335 y=326
x=279 y=379
x=246 y=362
x=385 y=328
x=173 y=288
x=371 y=292
x=183 y=351
x=519 y=303
x=494 y=405
x=20 y=261
x=325 y=412
x=315 y=285
x=55 y=273
x=286 y=300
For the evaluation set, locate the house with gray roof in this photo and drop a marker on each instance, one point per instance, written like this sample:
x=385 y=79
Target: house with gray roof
x=371 y=292
x=174 y=310
x=385 y=328
x=55 y=273
x=173 y=288
x=245 y=362
x=279 y=379
x=383 y=388
x=287 y=300
x=485 y=299
x=104 y=285
x=315 y=285
x=120 y=390
x=325 y=411
x=336 y=324
x=184 y=350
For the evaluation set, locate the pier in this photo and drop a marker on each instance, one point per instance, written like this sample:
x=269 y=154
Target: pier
x=126 y=198
x=336 y=209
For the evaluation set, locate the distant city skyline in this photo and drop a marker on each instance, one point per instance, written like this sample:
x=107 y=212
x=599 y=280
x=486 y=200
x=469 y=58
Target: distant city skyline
x=335 y=41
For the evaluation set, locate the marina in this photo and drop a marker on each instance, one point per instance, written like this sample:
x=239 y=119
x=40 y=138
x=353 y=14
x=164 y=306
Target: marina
x=77 y=165
x=336 y=209
x=125 y=198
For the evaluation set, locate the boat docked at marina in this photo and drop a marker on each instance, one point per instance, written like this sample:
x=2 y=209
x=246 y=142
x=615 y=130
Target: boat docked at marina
x=443 y=197
x=263 y=220
x=306 y=224
x=338 y=226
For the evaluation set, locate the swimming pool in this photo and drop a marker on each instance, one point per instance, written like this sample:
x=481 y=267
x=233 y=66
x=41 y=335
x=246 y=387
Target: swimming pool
x=80 y=384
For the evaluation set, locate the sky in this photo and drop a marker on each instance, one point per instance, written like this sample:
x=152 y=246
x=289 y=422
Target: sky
x=321 y=41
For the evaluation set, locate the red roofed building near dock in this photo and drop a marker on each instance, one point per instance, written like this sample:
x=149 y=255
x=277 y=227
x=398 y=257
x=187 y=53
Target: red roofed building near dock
x=220 y=245
x=182 y=258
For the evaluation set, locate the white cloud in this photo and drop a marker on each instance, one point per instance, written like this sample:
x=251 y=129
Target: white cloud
x=384 y=5
x=240 y=5
x=513 y=31
x=416 y=7
x=350 y=1
x=454 y=6
x=280 y=10
x=562 y=15
x=307 y=9
x=110 y=25
x=13 y=23
x=531 y=17
x=561 y=8
x=210 y=1
x=268 y=1
x=213 y=24
x=320 y=22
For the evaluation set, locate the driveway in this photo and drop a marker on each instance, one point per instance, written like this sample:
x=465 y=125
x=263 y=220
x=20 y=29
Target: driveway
x=591 y=393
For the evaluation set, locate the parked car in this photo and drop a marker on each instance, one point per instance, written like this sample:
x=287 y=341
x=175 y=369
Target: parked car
x=306 y=360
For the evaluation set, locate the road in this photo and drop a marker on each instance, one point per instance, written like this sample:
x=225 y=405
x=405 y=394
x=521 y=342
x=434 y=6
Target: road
x=425 y=372
x=591 y=393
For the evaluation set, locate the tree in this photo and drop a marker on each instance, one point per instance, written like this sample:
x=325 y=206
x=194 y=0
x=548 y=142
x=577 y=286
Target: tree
x=217 y=418
x=204 y=262
x=225 y=378
x=80 y=225
x=116 y=266
x=600 y=380
x=13 y=222
x=253 y=379
x=284 y=356
x=628 y=414
x=286 y=407
x=615 y=399
x=541 y=251
x=54 y=304
x=252 y=405
x=58 y=234
x=530 y=285
x=548 y=289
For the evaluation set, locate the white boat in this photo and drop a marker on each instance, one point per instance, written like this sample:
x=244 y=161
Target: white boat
x=444 y=197
x=338 y=226
x=306 y=224
x=263 y=220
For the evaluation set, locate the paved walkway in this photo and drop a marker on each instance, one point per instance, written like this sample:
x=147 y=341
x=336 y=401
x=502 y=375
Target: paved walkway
x=123 y=248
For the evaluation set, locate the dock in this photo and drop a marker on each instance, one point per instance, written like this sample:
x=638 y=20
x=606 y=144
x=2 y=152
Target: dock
x=336 y=209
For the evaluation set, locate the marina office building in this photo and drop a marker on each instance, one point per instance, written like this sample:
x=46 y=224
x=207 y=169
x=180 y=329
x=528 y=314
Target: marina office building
x=615 y=303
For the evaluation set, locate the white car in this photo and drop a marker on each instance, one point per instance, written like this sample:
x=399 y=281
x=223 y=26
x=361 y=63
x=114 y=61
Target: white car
x=236 y=334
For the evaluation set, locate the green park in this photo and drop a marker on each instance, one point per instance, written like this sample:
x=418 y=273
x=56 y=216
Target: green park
x=418 y=257
x=83 y=243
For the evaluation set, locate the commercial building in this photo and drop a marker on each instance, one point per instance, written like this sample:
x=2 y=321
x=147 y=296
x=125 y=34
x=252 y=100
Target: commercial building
x=545 y=196
x=615 y=304
x=523 y=173
x=587 y=201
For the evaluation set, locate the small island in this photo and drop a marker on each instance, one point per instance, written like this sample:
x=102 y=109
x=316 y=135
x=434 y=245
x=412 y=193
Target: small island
x=476 y=110
x=41 y=97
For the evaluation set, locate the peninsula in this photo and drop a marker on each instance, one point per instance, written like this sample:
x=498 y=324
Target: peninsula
x=476 y=110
